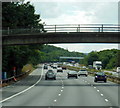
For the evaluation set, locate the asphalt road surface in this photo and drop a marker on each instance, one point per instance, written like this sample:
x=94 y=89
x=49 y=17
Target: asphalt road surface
x=36 y=91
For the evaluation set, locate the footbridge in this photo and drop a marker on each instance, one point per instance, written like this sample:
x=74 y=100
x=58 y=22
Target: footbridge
x=66 y=33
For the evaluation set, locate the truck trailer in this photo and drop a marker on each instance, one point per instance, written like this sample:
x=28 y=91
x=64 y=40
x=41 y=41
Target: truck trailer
x=97 y=65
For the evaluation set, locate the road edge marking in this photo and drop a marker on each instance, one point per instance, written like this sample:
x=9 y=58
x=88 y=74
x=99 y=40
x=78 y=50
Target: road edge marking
x=23 y=90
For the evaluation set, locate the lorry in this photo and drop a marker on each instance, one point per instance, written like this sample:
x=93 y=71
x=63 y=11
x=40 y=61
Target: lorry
x=97 y=65
x=118 y=70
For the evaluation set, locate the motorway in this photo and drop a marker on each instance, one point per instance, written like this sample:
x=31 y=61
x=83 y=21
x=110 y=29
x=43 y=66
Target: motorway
x=34 y=90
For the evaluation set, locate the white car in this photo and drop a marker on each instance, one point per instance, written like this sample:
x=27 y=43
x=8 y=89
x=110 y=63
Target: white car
x=118 y=69
x=83 y=72
x=59 y=69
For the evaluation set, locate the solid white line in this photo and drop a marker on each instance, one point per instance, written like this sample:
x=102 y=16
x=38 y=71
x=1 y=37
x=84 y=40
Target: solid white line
x=23 y=90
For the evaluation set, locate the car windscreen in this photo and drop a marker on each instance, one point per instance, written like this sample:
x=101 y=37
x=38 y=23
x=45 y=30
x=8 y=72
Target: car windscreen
x=98 y=64
x=100 y=73
x=72 y=72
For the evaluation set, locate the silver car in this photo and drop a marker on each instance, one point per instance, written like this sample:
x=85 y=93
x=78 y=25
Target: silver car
x=50 y=74
x=83 y=72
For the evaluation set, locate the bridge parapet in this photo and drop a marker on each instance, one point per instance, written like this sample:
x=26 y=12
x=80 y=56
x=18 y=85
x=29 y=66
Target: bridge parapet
x=65 y=28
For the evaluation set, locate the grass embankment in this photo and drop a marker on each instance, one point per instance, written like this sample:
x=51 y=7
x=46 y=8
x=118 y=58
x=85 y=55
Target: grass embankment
x=26 y=70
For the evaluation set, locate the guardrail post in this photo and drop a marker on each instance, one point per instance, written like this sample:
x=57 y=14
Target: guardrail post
x=79 y=28
x=55 y=28
x=102 y=27
x=99 y=29
x=8 y=31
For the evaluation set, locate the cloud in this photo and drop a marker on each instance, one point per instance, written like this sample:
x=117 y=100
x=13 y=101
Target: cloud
x=78 y=17
x=73 y=1
x=77 y=12
x=86 y=48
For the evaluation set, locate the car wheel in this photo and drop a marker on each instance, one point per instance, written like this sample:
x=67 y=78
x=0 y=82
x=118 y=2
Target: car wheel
x=54 y=78
x=95 y=80
x=105 y=80
x=86 y=75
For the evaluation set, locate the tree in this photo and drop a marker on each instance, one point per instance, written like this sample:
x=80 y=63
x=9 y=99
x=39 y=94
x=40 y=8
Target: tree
x=92 y=56
x=19 y=15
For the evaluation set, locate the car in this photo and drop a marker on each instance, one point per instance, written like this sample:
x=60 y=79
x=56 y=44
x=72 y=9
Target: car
x=118 y=70
x=64 y=68
x=54 y=67
x=73 y=74
x=100 y=76
x=59 y=69
x=83 y=72
x=45 y=67
x=50 y=74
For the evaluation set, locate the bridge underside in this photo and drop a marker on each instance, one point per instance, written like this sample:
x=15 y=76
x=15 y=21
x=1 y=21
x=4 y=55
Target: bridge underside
x=66 y=37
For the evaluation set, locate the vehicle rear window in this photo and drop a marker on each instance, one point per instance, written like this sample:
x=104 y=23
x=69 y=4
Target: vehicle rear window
x=72 y=72
x=100 y=73
x=82 y=70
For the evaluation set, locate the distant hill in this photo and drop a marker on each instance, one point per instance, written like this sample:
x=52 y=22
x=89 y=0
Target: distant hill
x=52 y=53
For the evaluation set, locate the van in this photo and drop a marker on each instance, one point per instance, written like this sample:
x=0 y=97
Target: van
x=118 y=69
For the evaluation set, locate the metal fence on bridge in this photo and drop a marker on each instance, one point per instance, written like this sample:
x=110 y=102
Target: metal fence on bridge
x=65 y=28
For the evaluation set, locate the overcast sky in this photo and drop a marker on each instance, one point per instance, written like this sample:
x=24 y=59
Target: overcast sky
x=79 y=12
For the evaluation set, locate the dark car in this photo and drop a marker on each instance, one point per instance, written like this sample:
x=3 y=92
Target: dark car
x=54 y=67
x=72 y=74
x=64 y=68
x=100 y=76
x=50 y=74
x=45 y=67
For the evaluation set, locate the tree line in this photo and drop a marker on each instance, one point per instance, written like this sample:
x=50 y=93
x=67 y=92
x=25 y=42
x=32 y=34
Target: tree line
x=110 y=58
x=18 y=56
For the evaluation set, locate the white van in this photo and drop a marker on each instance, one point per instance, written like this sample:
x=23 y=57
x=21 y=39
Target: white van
x=118 y=69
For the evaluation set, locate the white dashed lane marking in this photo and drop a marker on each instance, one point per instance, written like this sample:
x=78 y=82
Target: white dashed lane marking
x=106 y=100
x=98 y=90
x=55 y=100
x=59 y=94
x=61 y=90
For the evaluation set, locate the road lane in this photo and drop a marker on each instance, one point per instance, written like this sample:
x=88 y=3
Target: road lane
x=66 y=92
x=78 y=93
x=22 y=84
x=110 y=89
x=42 y=94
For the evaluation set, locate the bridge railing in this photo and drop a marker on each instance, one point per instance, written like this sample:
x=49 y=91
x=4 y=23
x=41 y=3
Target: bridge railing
x=65 y=28
x=83 y=28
